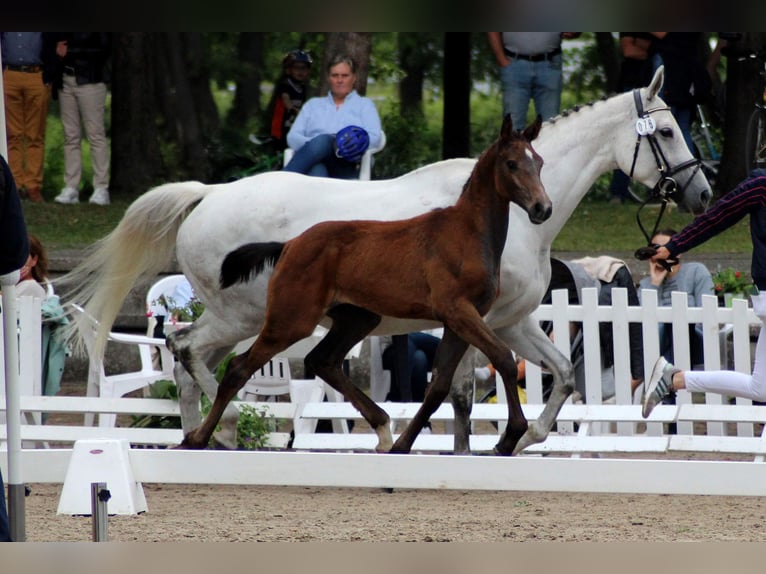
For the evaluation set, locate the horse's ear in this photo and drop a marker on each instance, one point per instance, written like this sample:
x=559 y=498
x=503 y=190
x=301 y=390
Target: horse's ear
x=656 y=84
x=507 y=129
x=531 y=131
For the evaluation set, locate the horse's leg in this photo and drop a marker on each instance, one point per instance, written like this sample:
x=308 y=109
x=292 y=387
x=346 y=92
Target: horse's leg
x=448 y=354
x=466 y=322
x=350 y=324
x=194 y=375
x=532 y=343
x=461 y=394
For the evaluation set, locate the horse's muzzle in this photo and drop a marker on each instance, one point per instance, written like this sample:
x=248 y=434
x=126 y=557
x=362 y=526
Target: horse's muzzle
x=540 y=212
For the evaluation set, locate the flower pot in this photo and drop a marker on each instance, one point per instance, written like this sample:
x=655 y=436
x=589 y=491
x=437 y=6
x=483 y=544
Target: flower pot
x=729 y=297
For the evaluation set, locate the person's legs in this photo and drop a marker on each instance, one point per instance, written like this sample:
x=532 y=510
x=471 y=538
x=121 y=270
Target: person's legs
x=313 y=152
x=683 y=116
x=618 y=188
x=420 y=369
x=546 y=90
x=70 y=121
x=37 y=98
x=92 y=106
x=516 y=82
x=14 y=123
x=342 y=169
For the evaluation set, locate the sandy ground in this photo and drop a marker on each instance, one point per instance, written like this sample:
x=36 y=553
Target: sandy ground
x=202 y=513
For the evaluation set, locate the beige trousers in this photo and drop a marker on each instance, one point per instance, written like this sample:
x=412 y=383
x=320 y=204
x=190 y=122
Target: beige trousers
x=83 y=106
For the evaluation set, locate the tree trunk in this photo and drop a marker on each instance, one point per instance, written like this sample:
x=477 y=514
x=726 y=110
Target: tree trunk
x=744 y=86
x=358 y=45
x=411 y=84
x=184 y=76
x=247 y=97
x=456 y=141
x=136 y=163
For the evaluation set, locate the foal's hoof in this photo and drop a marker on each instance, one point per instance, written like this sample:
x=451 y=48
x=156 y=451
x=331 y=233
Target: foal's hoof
x=500 y=451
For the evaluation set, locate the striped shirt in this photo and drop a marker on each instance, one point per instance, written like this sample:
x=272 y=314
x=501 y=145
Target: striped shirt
x=748 y=198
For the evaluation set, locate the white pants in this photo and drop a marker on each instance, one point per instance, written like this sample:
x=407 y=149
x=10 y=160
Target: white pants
x=83 y=106
x=732 y=383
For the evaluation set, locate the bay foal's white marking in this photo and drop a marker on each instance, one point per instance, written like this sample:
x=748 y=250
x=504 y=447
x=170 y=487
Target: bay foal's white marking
x=202 y=223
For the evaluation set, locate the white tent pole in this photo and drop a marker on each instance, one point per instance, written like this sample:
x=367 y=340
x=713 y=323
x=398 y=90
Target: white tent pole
x=16 y=513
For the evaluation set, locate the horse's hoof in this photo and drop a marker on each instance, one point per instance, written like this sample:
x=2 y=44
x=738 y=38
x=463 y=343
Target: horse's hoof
x=500 y=451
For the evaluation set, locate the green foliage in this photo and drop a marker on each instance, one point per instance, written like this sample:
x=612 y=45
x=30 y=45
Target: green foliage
x=186 y=313
x=729 y=280
x=163 y=389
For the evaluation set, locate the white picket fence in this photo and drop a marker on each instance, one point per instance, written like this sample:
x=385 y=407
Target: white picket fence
x=587 y=453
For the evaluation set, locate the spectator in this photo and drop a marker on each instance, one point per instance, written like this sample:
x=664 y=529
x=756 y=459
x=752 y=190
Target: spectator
x=635 y=72
x=29 y=61
x=289 y=94
x=748 y=198
x=34 y=273
x=332 y=132
x=692 y=278
x=530 y=69
x=82 y=96
x=421 y=349
x=686 y=77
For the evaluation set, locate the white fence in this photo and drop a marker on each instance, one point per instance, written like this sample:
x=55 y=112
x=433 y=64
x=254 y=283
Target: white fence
x=605 y=432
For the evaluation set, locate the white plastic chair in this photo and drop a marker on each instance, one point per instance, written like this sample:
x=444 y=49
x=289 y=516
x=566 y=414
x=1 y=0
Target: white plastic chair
x=165 y=286
x=270 y=381
x=365 y=166
x=113 y=386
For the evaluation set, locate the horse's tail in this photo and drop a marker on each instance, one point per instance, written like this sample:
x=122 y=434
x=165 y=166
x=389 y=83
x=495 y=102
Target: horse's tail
x=248 y=261
x=140 y=246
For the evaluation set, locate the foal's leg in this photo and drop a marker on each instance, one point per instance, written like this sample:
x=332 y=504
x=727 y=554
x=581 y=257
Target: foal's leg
x=466 y=322
x=448 y=354
x=350 y=324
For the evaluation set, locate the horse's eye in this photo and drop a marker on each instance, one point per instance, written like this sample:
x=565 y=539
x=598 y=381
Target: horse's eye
x=666 y=132
x=512 y=165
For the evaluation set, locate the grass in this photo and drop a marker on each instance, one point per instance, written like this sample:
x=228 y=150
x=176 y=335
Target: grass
x=595 y=227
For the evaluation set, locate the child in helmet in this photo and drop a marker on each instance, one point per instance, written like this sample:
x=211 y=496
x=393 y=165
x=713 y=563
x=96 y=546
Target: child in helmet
x=289 y=94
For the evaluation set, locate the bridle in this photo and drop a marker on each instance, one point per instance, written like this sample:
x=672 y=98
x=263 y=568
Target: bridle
x=667 y=187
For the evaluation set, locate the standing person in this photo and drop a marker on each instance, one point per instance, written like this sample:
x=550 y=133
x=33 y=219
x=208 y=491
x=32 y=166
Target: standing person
x=635 y=72
x=748 y=198
x=694 y=279
x=82 y=96
x=686 y=77
x=29 y=61
x=14 y=250
x=332 y=132
x=530 y=69
x=289 y=95
x=421 y=350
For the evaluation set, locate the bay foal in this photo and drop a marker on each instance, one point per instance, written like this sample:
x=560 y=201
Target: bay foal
x=442 y=265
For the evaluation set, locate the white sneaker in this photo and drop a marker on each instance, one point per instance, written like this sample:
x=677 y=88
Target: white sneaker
x=68 y=195
x=100 y=196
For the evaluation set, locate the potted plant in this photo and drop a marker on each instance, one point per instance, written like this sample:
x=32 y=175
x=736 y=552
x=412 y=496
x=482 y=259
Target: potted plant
x=731 y=284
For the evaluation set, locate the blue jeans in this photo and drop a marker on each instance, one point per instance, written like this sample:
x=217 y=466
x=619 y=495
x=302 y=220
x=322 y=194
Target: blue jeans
x=5 y=526
x=421 y=349
x=317 y=158
x=523 y=81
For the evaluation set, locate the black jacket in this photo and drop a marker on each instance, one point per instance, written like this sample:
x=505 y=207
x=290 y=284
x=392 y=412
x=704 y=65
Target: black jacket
x=88 y=55
x=14 y=242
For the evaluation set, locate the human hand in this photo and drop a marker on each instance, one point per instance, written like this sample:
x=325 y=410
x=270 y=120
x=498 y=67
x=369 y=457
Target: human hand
x=61 y=48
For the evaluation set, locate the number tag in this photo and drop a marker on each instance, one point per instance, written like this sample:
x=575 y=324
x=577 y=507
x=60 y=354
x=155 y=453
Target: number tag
x=645 y=126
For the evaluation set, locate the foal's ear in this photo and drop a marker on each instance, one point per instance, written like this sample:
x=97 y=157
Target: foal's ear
x=531 y=131
x=507 y=129
x=656 y=84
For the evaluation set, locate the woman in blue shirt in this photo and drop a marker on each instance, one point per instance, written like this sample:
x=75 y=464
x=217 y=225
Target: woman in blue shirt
x=313 y=135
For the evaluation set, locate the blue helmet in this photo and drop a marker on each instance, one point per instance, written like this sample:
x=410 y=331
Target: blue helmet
x=351 y=142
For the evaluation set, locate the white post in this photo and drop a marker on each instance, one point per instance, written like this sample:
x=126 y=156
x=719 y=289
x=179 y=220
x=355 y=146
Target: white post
x=11 y=349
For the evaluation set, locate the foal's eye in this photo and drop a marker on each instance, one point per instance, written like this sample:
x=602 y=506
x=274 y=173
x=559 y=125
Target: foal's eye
x=512 y=165
x=666 y=132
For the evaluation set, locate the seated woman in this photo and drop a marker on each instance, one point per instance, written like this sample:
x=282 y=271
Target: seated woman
x=34 y=273
x=331 y=133
x=421 y=348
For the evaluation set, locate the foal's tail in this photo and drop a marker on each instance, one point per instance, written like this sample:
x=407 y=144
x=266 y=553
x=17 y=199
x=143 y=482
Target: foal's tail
x=248 y=261
x=140 y=246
